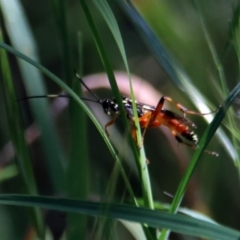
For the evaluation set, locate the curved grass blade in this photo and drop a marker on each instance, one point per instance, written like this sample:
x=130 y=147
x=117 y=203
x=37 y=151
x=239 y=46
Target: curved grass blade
x=157 y=219
x=220 y=69
x=22 y=39
x=18 y=138
x=77 y=186
x=110 y=74
x=140 y=158
x=107 y=14
x=79 y=102
x=153 y=43
x=174 y=70
x=207 y=136
x=77 y=176
x=105 y=61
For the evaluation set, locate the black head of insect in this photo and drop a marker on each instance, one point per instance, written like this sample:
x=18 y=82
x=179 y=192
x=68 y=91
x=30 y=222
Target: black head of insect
x=109 y=106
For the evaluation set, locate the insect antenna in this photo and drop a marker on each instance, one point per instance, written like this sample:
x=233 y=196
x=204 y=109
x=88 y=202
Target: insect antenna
x=88 y=89
x=97 y=99
x=58 y=95
x=44 y=96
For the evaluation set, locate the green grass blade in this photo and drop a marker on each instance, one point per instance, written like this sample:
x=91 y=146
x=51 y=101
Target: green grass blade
x=153 y=43
x=207 y=136
x=77 y=184
x=157 y=219
x=213 y=51
x=102 y=52
x=81 y=103
x=59 y=8
x=174 y=70
x=77 y=169
x=77 y=180
x=107 y=14
x=110 y=74
x=114 y=87
x=220 y=69
x=22 y=39
x=18 y=138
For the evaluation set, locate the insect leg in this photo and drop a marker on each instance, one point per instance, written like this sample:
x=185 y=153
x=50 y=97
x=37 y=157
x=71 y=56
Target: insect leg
x=144 y=122
x=184 y=109
x=109 y=124
x=134 y=133
x=158 y=108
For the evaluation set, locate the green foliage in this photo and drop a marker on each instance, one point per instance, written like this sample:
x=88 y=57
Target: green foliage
x=74 y=160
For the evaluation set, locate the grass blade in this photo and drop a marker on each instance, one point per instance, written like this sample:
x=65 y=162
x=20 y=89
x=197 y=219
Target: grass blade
x=153 y=43
x=157 y=219
x=77 y=180
x=18 y=138
x=107 y=14
x=77 y=169
x=207 y=136
x=110 y=74
x=22 y=39
x=112 y=80
x=79 y=102
x=174 y=70
x=111 y=21
x=219 y=67
x=60 y=8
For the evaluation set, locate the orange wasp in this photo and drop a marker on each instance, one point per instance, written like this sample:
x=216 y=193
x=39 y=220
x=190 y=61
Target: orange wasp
x=152 y=117
x=149 y=116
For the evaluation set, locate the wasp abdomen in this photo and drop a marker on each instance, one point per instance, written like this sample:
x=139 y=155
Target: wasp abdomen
x=190 y=136
x=183 y=133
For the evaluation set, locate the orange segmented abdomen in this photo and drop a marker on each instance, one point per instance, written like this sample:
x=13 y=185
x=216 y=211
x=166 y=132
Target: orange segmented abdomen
x=181 y=130
x=176 y=124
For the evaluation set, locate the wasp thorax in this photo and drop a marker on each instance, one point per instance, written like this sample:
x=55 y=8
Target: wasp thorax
x=106 y=104
x=110 y=106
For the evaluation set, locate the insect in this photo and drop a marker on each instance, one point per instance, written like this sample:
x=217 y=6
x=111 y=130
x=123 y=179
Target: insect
x=152 y=117
x=149 y=116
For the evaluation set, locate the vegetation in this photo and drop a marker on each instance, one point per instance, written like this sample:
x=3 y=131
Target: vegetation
x=56 y=157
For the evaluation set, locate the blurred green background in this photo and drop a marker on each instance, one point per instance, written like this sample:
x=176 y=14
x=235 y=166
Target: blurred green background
x=214 y=188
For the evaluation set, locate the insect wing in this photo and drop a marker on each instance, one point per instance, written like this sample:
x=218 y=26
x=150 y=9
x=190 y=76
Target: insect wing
x=179 y=118
x=141 y=108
